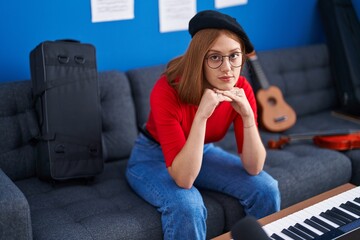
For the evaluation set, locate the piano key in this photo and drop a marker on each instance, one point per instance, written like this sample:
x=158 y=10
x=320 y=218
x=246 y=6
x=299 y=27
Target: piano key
x=322 y=223
x=276 y=237
x=274 y=227
x=291 y=234
x=357 y=199
x=344 y=214
x=315 y=225
x=300 y=233
x=330 y=218
x=283 y=236
x=279 y=227
x=309 y=215
x=351 y=197
x=307 y=230
x=352 y=204
x=351 y=213
x=338 y=216
x=350 y=209
x=347 y=196
x=303 y=216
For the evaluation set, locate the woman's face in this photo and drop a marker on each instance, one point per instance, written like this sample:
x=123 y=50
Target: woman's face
x=222 y=63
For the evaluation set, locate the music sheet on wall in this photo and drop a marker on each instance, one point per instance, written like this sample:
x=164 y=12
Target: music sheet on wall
x=111 y=10
x=176 y=14
x=229 y=3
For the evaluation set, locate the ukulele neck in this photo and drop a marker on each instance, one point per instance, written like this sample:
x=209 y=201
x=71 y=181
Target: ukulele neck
x=259 y=72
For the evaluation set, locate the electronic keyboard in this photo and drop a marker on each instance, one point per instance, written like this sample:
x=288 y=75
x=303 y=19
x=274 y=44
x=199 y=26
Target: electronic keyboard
x=332 y=218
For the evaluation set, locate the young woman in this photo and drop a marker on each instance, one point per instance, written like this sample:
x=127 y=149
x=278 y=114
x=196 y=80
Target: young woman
x=192 y=105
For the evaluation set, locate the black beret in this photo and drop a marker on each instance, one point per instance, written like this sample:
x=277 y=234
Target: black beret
x=214 y=19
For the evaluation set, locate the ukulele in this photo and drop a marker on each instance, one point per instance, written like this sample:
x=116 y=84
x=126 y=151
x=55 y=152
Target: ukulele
x=275 y=114
x=340 y=140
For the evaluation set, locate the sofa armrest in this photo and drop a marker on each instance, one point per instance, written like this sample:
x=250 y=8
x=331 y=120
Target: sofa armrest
x=15 y=221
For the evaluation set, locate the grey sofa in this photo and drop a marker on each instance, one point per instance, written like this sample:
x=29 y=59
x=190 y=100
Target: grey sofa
x=107 y=208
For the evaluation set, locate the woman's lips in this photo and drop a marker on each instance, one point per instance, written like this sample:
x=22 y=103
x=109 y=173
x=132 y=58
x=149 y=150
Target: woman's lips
x=226 y=78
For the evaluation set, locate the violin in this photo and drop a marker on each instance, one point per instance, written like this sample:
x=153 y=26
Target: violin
x=340 y=140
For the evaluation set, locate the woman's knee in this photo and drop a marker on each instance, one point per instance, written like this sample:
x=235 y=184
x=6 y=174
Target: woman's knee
x=268 y=194
x=187 y=201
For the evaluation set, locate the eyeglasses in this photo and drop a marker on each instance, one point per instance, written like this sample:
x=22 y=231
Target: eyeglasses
x=216 y=60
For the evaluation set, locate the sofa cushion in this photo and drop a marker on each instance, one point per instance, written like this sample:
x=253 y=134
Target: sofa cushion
x=118 y=115
x=106 y=208
x=354 y=156
x=15 y=222
x=304 y=171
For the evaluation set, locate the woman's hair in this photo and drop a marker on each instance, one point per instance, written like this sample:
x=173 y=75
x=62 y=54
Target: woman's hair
x=186 y=73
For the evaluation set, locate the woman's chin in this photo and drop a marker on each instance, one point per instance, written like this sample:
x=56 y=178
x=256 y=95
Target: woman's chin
x=225 y=88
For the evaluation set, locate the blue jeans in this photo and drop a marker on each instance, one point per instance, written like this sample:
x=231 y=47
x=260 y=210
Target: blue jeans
x=183 y=213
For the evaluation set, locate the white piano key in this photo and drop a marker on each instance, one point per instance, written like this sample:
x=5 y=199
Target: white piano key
x=280 y=234
x=275 y=228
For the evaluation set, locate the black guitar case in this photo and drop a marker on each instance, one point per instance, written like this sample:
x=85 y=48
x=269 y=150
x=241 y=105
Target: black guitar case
x=67 y=105
x=342 y=29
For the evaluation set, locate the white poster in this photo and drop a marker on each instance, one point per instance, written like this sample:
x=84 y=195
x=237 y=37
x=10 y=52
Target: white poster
x=229 y=3
x=176 y=14
x=111 y=10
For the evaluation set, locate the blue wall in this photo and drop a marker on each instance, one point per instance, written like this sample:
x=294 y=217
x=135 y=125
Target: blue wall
x=135 y=43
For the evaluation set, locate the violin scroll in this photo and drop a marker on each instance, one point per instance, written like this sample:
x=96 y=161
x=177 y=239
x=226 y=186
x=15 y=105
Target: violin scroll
x=279 y=144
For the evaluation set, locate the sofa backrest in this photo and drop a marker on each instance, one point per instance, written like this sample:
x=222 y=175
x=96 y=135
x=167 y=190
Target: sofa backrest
x=17 y=154
x=119 y=129
x=142 y=80
x=303 y=75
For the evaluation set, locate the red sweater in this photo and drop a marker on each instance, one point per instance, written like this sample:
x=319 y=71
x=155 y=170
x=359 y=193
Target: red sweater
x=170 y=120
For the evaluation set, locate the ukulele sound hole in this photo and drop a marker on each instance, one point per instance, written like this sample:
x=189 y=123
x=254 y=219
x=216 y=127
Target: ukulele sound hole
x=271 y=101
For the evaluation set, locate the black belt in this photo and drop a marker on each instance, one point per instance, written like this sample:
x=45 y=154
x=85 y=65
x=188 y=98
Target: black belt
x=146 y=133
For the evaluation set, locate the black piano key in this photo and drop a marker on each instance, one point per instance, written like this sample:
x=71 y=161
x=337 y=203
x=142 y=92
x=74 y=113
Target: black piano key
x=300 y=233
x=315 y=225
x=322 y=223
x=344 y=214
x=353 y=205
x=276 y=237
x=357 y=199
x=332 y=219
x=338 y=216
x=291 y=234
x=304 y=229
x=350 y=209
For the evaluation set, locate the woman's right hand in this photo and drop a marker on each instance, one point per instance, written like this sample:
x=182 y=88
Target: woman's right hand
x=209 y=101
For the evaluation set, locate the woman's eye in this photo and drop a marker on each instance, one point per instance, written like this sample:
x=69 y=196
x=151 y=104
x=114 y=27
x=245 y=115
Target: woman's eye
x=234 y=55
x=215 y=57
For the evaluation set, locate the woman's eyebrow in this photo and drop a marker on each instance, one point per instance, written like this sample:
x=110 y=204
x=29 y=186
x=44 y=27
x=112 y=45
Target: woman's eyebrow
x=233 y=50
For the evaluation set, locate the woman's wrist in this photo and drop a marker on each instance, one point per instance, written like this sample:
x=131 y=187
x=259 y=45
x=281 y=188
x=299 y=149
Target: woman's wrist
x=249 y=122
x=250 y=125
